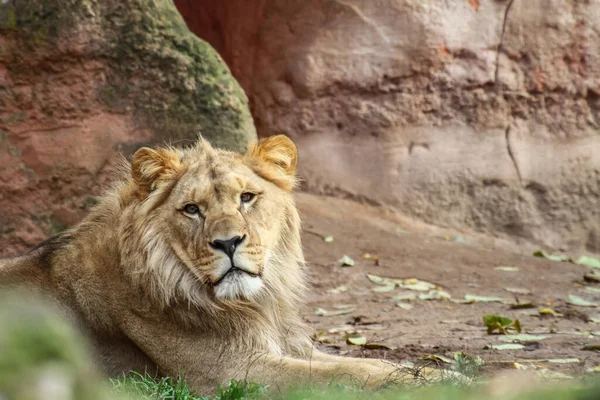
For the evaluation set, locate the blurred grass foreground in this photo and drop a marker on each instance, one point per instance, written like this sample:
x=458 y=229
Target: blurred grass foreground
x=43 y=357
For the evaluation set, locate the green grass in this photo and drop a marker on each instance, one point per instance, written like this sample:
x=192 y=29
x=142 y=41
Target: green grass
x=147 y=388
x=144 y=386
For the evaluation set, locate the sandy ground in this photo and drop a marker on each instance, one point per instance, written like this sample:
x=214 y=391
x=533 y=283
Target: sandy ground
x=466 y=266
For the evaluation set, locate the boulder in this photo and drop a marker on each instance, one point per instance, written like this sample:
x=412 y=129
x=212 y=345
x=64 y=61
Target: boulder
x=477 y=114
x=82 y=81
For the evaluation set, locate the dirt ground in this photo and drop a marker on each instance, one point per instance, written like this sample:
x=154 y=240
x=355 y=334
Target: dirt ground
x=460 y=266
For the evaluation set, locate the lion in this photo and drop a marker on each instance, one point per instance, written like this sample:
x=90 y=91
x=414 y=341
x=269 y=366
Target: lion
x=192 y=264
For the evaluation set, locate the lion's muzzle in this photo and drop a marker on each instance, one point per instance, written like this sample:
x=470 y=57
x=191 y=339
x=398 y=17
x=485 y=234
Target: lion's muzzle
x=235 y=275
x=228 y=246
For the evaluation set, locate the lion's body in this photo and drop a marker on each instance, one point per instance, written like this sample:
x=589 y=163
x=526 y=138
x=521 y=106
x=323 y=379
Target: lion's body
x=152 y=291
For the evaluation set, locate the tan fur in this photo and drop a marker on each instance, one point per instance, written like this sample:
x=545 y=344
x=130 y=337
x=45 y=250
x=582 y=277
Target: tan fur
x=275 y=159
x=141 y=277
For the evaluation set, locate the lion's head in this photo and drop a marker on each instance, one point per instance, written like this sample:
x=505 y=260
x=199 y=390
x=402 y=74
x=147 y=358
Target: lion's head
x=209 y=224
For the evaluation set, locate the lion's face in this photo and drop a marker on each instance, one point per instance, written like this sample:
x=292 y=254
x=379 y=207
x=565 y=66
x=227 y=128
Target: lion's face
x=220 y=214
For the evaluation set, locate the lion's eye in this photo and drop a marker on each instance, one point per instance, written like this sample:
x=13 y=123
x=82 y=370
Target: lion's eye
x=247 y=197
x=191 y=210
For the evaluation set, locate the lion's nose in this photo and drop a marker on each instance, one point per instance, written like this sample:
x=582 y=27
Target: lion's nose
x=228 y=246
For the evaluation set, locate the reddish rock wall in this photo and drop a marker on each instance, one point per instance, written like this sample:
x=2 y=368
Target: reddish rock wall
x=84 y=81
x=481 y=114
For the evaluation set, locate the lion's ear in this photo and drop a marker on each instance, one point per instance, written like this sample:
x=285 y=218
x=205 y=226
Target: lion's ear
x=275 y=158
x=150 y=167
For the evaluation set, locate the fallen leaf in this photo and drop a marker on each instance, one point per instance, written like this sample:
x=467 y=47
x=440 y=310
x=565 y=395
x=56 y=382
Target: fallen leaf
x=592 y=276
x=591 y=347
x=339 y=289
x=320 y=336
x=379 y=280
x=435 y=295
x=508 y=346
x=436 y=357
x=328 y=239
x=400 y=230
x=346 y=261
x=474 y=4
x=377 y=346
x=324 y=313
x=595 y=369
x=369 y=256
x=410 y=283
x=507 y=269
x=549 y=311
x=518 y=290
x=405 y=296
x=343 y=306
x=343 y=329
x=461 y=301
x=318 y=333
x=356 y=339
x=563 y=360
x=521 y=338
x=415 y=284
x=483 y=299
x=578 y=301
x=594 y=290
x=404 y=306
x=326 y=339
x=553 y=257
x=588 y=262
x=501 y=324
x=384 y=289
x=463 y=360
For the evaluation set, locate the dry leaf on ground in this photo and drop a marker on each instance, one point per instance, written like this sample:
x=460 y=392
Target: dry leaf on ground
x=356 y=339
x=346 y=261
x=324 y=313
x=506 y=269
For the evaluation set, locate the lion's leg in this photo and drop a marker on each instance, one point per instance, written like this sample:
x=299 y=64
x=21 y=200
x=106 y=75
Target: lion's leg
x=207 y=361
x=287 y=371
x=410 y=373
x=317 y=355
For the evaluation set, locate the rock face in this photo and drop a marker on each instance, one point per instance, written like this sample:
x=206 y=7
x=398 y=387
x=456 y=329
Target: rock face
x=467 y=113
x=84 y=80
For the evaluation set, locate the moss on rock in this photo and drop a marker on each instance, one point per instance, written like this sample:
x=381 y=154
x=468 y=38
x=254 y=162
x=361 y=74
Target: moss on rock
x=184 y=86
x=172 y=81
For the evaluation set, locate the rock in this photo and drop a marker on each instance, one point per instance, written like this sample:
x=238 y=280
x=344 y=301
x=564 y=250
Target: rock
x=81 y=82
x=482 y=117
